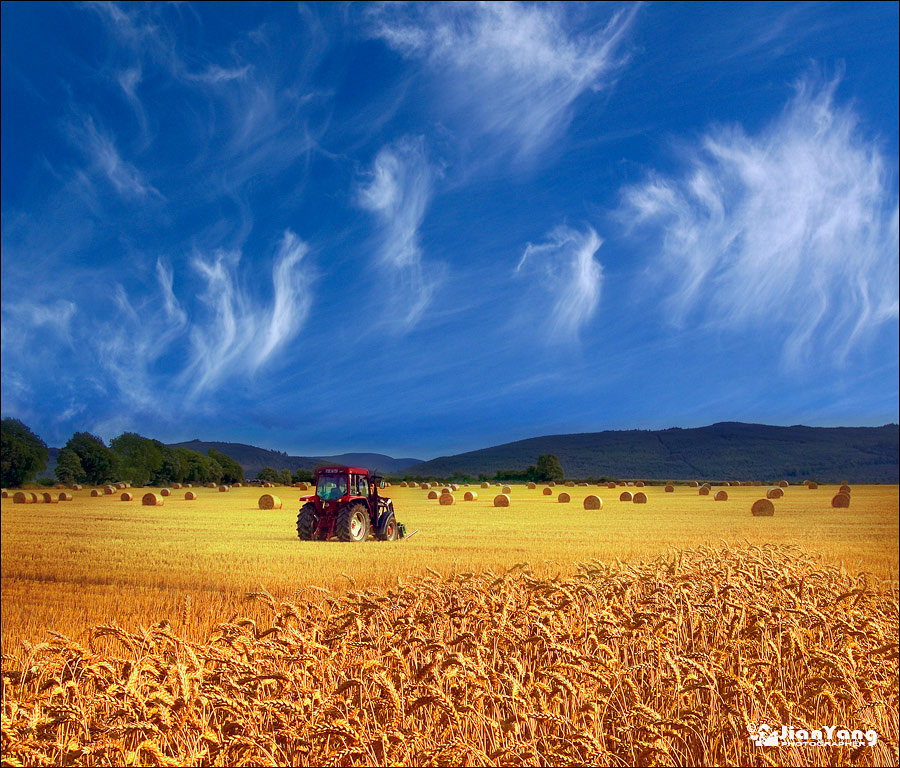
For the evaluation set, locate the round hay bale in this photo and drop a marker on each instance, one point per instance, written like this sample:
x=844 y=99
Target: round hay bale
x=551 y=484
x=65 y=496
x=426 y=486
x=470 y=496
x=446 y=499
x=844 y=489
x=708 y=486
x=432 y=494
x=454 y=487
x=694 y=484
x=721 y=496
x=774 y=493
x=76 y=487
x=95 y=493
x=188 y=485
x=841 y=501
x=127 y=496
x=165 y=492
x=582 y=485
x=610 y=485
x=20 y=497
x=639 y=484
x=121 y=486
x=213 y=485
x=570 y=484
x=4 y=494
x=703 y=491
x=269 y=501
x=239 y=485
x=35 y=498
x=762 y=508
x=190 y=496
x=727 y=484
x=506 y=489
x=625 y=496
x=109 y=490
x=501 y=500
x=670 y=489
x=445 y=490
x=812 y=485
x=60 y=487
x=404 y=484
x=564 y=498
x=593 y=502
x=176 y=486
x=531 y=486
x=224 y=489
x=640 y=498
x=783 y=484
x=485 y=485
x=548 y=491
x=152 y=500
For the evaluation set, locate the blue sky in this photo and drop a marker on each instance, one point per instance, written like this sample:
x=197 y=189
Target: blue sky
x=422 y=229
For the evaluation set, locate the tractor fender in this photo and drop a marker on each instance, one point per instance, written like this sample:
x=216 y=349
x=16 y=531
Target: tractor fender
x=387 y=509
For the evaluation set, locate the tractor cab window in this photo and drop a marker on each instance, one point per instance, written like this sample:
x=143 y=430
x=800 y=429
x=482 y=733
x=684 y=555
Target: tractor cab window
x=331 y=487
x=363 y=486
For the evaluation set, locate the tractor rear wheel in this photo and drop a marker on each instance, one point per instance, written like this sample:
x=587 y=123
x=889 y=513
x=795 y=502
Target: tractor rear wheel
x=306 y=522
x=352 y=522
x=391 y=531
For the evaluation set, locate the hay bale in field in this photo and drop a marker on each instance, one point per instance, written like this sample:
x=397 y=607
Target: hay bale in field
x=152 y=500
x=625 y=496
x=694 y=484
x=165 y=492
x=269 y=501
x=404 y=484
x=445 y=490
x=76 y=487
x=239 y=485
x=530 y=486
x=127 y=496
x=506 y=489
x=95 y=493
x=774 y=493
x=470 y=496
x=4 y=494
x=35 y=498
x=610 y=485
x=188 y=485
x=640 y=498
x=432 y=494
x=425 y=486
x=501 y=500
x=639 y=484
x=670 y=489
x=551 y=484
x=446 y=499
x=65 y=496
x=176 y=486
x=844 y=489
x=721 y=496
x=727 y=484
x=762 y=508
x=783 y=483
x=703 y=490
x=109 y=490
x=213 y=485
x=564 y=498
x=20 y=497
x=593 y=502
x=812 y=485
x=224 y=489
x=548 y=491
x=841 y=501
x=485 y=485
x=454 y=487
x=190 y=496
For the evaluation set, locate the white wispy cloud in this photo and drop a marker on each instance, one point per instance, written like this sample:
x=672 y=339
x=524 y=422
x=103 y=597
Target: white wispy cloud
x=508 y=70
x=793 y=229
x=398 y=194
x=239 y=334
x=105 y=159
x=565 y=269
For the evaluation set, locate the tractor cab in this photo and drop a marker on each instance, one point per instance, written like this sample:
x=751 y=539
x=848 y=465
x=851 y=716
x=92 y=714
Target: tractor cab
x=347 y=506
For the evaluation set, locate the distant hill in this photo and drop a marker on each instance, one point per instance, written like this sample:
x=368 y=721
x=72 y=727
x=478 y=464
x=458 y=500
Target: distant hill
x=723 y=451
x=253 y=459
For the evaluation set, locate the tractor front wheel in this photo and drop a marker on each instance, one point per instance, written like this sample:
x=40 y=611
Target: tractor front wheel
x=391 y=531
x=306 y=522
x=352 y=522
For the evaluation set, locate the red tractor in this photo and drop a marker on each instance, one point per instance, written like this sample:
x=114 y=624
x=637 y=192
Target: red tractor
x=347 y=507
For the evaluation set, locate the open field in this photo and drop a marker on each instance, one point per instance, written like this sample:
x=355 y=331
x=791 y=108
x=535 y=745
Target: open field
x=96 y=560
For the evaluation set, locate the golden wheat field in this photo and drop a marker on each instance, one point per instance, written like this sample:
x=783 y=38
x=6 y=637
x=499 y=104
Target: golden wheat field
x=634 y=635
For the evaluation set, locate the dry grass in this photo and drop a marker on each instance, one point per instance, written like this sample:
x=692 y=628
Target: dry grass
x=666 y=662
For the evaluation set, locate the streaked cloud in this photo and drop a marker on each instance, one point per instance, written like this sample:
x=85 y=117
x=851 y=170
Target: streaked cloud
x=510 y=71
x=792 y=230
x=564 y=268
x=398 y=193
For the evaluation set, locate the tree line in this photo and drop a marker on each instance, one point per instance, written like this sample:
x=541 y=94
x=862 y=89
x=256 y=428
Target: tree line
x=130 y=457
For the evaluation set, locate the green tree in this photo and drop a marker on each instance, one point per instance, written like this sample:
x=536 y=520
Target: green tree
x=68 y=467
x=98 y=461
x=139 y=458
x=267 y=475
x=284 y=477
x=548 y=468
x=22 y=453
x=303 y=476
x=232 y=472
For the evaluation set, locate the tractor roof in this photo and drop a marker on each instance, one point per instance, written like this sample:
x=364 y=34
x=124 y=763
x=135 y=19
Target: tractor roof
x=340 y=470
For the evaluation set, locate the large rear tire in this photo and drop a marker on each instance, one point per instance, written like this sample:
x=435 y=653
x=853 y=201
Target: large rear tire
x=306 y=521
x=352 y=522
